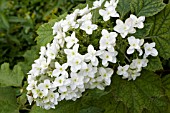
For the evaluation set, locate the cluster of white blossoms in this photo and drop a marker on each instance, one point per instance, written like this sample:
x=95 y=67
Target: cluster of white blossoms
x=62 y=73
x=133 y=70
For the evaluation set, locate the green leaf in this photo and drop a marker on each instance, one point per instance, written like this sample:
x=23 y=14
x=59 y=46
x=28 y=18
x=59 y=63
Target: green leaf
x=102 y=101
x=4 y=20
x=62 y=107
x=8 y=103
x=146 y=7
x=93 y=101
x=154 y=64
x=91 y=110
x=45 y=32
x=123 y=7
x=11 y=77
x=142 y=33
x=29 y=57
x=166 y=85
x=145 y=92
x=160 y=32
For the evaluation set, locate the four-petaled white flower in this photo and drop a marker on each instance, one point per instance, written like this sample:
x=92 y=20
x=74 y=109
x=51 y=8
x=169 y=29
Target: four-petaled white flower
x=138 y=22
x=71 y=53
x=60 y=69
x=108 y=12
x=108 y=40
x=122 y=70
x=108 y=57
x=150 y=50
x=106 y=74
x=124 y=28
x=84 y=18
x=84 y=11
x=97 y=4
x=135 y=44
x=91 y=55
x=71 y=40
x=88 y=27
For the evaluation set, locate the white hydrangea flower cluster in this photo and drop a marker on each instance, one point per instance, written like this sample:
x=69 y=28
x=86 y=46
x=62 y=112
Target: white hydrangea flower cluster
x=133 y=70
x=50 y=81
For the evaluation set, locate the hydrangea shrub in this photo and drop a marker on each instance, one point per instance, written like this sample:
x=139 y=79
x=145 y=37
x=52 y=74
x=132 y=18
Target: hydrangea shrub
x=103 y=57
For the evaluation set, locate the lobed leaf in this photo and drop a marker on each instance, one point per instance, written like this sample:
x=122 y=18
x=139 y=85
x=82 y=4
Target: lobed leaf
x=11 y=77
x=160 y=32
x=154 y=64
x=142 y=33
x=123 y=7
x=45 y=32
x=146 y=7
x=144 y=92
x=8 y=102
x=166 y=85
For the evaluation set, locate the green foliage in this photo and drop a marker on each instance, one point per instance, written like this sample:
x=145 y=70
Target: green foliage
x=145 y=92
x=29 y=57
x=154 y=64
x=45 y=32
x=20 y=20
x=19 y=23
x=166 y=85
x=142 y=33
x=123 y=7
x=8 y=102
x=160 y=32
x=11 y=77
x=146 y=7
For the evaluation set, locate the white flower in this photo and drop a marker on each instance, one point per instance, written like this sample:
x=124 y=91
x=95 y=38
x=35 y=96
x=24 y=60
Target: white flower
x=108 y=12
x=71 y=40
x=89 y=71
x=88 y=27
x=69 y=23
x=124 y=28
x=84 y=11
x=122 y=70
x=76 y=80
x=86 y=17
x=60 y=69
x=150 y=50
x=42 y=51
x=57 y=27
x=36 y=92
x=138 y=64
x=108 y=57
x=44 y=64
x=106 y=74
x=59 y=40
x=138 y=22
x=30 y=99
x=51 y=51
x=97 y=4
x=31 y=85
x=59 y=81
x=91 y=55
x=133 y=74
x=108 y=40
x=112 y=3
x=135 y=44
x=71 y=53
x=45 y=86
x=77 y=63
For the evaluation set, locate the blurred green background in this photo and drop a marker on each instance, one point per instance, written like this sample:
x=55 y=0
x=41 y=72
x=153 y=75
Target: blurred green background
x=19 y=20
